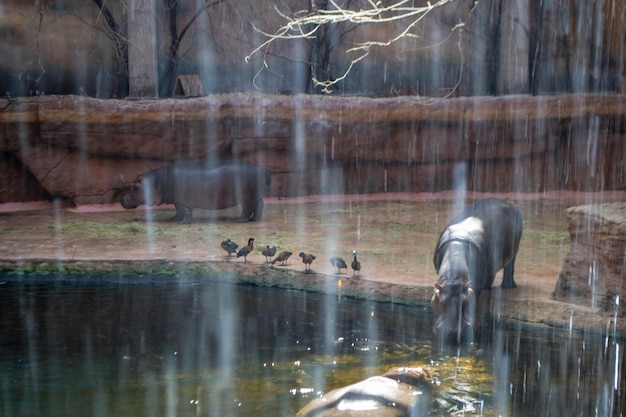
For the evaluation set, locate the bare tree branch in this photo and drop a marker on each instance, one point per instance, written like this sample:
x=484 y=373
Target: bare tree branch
x=305 y=24
x=205 y=6
x=120 y=43
x=176 y=37
x=34 y=82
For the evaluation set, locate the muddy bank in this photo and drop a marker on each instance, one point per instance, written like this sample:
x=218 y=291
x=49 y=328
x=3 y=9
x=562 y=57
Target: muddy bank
x=394 y=239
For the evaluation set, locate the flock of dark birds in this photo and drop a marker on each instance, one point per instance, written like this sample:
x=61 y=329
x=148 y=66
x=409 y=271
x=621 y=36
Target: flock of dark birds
x=268 y=251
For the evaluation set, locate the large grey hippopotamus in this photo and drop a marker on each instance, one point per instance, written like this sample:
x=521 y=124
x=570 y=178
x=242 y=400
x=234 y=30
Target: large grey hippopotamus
x=209 y=186
x=472 y=248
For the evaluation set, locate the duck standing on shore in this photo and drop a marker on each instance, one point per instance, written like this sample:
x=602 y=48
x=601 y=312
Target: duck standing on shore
x=339 y=263
x=356 y=265
x=245 y=251
x=307 y=259
x=229 y=246
x=268 y=251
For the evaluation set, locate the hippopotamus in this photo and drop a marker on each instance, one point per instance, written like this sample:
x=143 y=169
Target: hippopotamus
x=209 y=186
x=472 y=248
x=398 y=392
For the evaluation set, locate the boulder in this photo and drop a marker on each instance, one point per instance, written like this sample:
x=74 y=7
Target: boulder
x=398 y=392
x=593 y=272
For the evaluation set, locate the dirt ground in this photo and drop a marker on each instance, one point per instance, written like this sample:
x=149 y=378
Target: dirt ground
x=394 y=235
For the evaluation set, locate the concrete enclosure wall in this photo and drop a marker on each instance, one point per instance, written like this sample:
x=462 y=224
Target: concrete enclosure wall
x=84 y=149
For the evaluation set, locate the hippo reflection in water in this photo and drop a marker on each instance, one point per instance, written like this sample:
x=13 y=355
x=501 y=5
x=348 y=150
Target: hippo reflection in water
x=472 y=248
x=398 y=392
x=215 y=186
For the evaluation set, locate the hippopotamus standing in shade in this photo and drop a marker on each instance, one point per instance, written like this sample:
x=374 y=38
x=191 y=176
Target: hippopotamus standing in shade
x=472 y=248
x=209 y=186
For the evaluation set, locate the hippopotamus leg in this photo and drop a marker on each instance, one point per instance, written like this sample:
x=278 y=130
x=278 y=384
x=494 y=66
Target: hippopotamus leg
x=507 y=279
x=258 y=210
x=251 y=210
x=183 y=214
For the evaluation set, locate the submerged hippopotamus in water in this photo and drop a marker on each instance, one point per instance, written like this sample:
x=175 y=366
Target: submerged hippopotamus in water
x=472 y=248
x=398 y=392
x=209 y=186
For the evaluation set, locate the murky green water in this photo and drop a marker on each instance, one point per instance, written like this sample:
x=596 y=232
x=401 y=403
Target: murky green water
x=107 y=348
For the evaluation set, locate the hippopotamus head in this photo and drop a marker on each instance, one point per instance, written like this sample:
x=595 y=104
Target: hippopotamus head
x=453 y=305
x=141 y=191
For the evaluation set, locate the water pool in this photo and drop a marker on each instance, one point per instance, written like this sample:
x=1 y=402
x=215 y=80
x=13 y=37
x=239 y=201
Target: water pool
x=149 y=347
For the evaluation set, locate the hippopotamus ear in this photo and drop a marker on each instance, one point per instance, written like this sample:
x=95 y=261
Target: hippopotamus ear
x=435 y=303
x=468 y=292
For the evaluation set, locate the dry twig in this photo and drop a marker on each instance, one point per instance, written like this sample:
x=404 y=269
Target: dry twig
x=304 y=25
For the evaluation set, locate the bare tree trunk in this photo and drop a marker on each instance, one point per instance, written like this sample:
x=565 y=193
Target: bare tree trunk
x=142 y=51
x=169 y=67
x=514 y=47
x=33 y=82
x=536 y=50
x=176 y=38
x=120 y=42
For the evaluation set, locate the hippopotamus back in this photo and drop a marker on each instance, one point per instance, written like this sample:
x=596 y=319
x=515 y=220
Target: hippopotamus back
x=202 y=185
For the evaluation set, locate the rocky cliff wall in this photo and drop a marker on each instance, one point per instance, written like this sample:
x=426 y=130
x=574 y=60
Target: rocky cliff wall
x=82 y=148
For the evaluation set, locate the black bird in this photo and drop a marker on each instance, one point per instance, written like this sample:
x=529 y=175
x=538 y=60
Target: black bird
x=229 y=246
x=268 y=251
x=339 y=263
x=245 y=251
x=282 y=257
x=307 y=259
x=356 y=265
